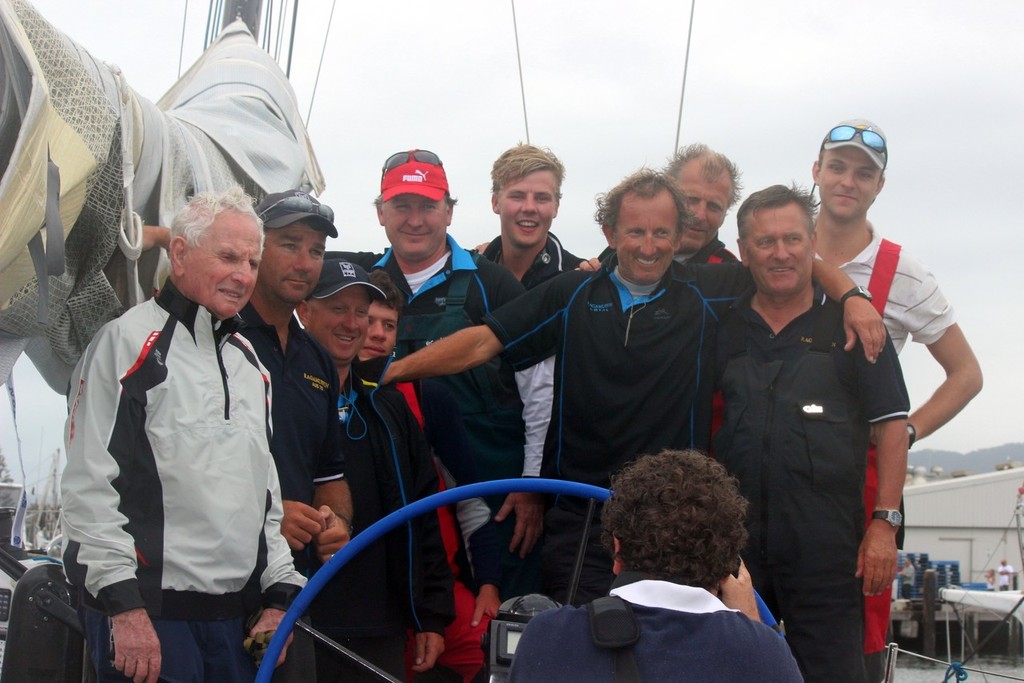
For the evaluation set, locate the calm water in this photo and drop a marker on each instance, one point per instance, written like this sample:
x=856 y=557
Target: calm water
x=909 y=669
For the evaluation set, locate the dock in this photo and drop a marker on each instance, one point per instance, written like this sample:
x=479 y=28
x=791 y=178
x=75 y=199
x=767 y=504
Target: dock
x=953 y=629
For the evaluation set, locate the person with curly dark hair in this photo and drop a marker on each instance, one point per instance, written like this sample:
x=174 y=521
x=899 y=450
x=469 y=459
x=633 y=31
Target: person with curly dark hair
x=675 y=528
x=676 y=517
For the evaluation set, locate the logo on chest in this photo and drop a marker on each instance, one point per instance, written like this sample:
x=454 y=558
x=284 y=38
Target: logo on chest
x=318 y=383
x=599 y=308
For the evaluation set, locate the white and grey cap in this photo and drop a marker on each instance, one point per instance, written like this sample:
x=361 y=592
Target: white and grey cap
x=862 y=134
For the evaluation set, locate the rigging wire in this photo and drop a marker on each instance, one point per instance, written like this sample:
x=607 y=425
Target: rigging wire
x=320 y=65
x=686 y=67
x=291 y=38
x=265 y=26
x=209 y=23
x=519 y=61
x=281 y=18
x=181 y=46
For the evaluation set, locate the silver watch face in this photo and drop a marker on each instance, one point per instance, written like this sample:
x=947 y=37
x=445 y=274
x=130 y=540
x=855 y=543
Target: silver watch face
x=893 y=517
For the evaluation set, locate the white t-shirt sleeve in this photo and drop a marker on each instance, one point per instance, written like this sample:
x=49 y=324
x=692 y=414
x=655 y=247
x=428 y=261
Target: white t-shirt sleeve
x=536 y=387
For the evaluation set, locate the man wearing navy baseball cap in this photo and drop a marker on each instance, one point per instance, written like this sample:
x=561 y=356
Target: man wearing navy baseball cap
x=306 y=442
x=402 y=581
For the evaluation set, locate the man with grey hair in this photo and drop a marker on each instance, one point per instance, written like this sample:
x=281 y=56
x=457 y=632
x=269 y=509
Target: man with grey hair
x=799 y=412
x=711 y=183
x=168 y=457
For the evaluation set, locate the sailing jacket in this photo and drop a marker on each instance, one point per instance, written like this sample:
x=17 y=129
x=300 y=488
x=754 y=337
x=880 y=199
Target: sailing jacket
x=170 y=496
x=402 y=580
x=551 y=261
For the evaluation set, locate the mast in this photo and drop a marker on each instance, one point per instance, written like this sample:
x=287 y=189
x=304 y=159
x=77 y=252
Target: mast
x=246 y=10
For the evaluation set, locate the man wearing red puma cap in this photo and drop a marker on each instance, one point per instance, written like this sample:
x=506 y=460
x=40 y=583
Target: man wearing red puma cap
x=448 y=288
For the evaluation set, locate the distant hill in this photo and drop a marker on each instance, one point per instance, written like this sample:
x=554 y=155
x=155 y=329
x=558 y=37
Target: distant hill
x=976 y=462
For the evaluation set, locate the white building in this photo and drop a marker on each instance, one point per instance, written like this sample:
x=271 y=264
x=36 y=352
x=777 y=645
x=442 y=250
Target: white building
x=972 y=519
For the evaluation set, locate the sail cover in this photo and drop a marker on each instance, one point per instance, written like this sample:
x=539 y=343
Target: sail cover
x=86 y=162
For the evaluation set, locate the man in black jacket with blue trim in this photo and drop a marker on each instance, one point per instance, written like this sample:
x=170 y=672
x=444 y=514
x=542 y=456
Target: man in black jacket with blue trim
x=401 y=581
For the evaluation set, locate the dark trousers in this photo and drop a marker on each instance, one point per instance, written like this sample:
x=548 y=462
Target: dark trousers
x=386 y=652
x=821 y=609
x=300 y=664
x=190 y=650
x=563 y=529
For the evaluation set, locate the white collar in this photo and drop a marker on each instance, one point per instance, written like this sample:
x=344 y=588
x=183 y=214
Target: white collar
x=668 y=595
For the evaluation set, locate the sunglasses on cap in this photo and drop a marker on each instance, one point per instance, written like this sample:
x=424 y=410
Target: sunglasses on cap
x=300 y=204
x=421 y=155
x=846 y=133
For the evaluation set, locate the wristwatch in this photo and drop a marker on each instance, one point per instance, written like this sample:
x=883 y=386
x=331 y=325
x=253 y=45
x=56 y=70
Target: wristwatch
x=856 y=291
x=894 y=517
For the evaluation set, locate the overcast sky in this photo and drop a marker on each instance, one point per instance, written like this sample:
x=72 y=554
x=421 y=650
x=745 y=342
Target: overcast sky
x=602 y=80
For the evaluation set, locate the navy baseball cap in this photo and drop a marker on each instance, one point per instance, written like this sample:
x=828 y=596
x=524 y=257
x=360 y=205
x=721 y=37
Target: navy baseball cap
x=338 y=274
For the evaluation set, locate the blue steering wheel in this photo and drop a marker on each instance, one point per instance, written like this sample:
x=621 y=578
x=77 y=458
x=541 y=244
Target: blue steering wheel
x=414 y=509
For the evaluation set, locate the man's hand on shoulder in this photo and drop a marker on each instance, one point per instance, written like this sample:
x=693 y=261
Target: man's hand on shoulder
x=136 y=646
x=861 y=321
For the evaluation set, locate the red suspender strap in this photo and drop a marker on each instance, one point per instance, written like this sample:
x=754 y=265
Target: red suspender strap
x=412 y=398
x=883 y=273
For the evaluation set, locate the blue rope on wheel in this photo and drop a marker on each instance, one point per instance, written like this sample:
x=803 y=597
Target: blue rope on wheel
x=956 y=670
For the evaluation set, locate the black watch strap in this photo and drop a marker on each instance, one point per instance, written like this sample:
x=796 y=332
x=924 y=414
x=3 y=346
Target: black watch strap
x=856 y=291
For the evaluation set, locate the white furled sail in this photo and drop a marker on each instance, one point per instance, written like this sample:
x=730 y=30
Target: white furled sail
x=86 y=162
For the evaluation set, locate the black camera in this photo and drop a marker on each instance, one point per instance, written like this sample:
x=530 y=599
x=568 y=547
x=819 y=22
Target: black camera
x=506 y=629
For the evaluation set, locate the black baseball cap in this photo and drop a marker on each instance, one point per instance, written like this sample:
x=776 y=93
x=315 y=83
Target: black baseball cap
x=338 y=274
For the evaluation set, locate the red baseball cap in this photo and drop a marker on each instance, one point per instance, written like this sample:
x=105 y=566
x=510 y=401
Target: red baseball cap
x=416 y=171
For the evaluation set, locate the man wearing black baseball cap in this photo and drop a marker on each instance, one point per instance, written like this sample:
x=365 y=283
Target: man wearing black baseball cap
x=402 y=581
x=306 y=442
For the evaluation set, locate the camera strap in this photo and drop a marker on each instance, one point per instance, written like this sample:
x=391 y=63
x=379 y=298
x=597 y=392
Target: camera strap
x=614 y=626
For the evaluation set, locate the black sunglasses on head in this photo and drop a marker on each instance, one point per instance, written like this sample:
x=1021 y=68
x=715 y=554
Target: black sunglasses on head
x=297 y=204
x=421 y=155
